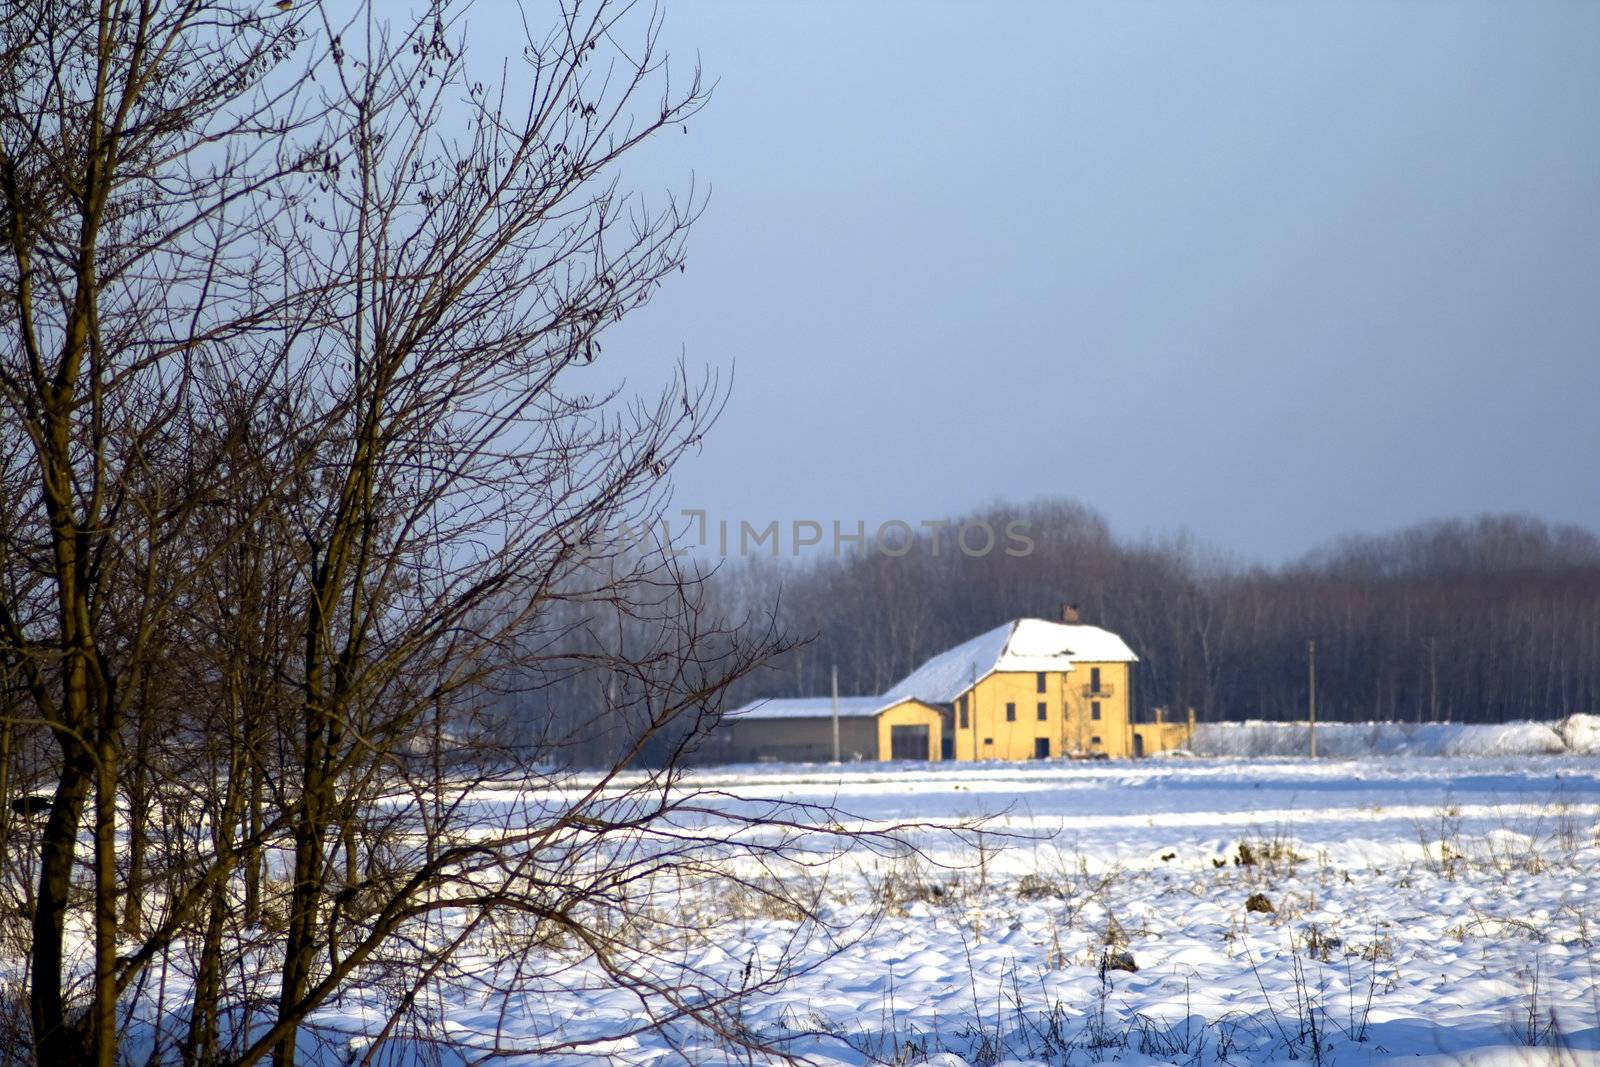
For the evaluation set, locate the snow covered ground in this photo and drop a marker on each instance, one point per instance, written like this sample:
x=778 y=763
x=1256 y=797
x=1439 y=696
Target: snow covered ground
x=1425 y=910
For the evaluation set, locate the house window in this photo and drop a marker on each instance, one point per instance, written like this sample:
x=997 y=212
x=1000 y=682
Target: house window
x=988 y=740
x=1043 y=710
x=1038 y=681
x=1094 y=679
x=1094 y=709
x=961 y=709
x=1011 y=713
x=1094 y=740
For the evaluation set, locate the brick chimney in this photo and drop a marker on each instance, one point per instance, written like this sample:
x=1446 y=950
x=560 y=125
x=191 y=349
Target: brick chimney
x=1069 y=613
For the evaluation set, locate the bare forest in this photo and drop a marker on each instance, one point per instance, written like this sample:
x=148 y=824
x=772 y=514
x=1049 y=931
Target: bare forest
x=1478 y=620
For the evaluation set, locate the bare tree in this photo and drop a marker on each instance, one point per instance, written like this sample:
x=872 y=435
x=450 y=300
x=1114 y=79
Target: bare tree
x=301 y=469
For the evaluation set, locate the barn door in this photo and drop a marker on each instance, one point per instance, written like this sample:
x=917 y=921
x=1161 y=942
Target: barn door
x=908 y=742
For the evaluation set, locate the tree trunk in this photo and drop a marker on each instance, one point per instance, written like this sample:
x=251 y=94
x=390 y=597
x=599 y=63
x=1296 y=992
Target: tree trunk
x=55 y=1041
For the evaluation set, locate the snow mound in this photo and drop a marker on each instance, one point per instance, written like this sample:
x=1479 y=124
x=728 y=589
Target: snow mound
x=1581 y=733
x=1352 y=739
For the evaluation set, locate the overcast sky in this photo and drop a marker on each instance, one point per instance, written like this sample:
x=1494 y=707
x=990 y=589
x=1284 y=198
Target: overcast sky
x=1267 y=272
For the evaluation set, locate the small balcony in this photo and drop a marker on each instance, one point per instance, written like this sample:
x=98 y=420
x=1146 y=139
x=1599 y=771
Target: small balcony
x=1103 y=691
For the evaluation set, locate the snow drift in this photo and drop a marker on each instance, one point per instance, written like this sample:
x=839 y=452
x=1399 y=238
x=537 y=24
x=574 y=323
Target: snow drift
x=1581 y=733
x=1574 y=735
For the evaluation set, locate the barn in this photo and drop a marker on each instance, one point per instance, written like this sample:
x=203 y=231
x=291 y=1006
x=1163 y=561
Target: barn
x=801 y=730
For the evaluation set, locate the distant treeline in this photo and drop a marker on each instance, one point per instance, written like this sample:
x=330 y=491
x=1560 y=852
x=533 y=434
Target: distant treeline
x=1477 y=620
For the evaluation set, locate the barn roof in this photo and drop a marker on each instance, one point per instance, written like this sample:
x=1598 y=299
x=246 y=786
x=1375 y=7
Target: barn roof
x=813 y=708
x=1019 y=645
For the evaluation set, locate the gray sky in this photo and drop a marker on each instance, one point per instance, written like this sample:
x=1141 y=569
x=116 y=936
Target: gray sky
x=1268 y=272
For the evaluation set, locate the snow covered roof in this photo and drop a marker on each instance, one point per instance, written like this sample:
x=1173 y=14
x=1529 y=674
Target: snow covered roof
x=1020 y=645
x=813 y=708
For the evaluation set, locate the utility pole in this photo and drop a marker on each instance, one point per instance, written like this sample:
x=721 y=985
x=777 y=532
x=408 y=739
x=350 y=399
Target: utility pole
x=1311 y=669
x=1433 y=679
x=836 y=713
x=972 y=710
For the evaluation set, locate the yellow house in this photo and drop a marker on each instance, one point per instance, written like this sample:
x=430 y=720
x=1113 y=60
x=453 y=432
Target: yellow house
x=1034 y=689
x=801 y=730
x=1030 y=689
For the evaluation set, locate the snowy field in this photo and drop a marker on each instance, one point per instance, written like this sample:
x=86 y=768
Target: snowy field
x=1424 y=910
